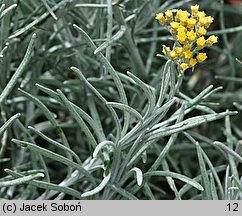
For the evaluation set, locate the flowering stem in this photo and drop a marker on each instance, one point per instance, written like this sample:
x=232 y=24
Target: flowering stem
x=179 y=81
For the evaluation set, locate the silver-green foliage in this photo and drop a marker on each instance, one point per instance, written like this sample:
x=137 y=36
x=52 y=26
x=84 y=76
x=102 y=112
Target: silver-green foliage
x=111 y=135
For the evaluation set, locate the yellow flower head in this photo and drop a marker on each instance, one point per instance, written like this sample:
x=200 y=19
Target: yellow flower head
x=201 y=57
x=191 y=35
x=181 y=36
x=181 y=29
x=174 y=25
x=209 y=20
x=194 y=10
x=182 y=16
x=191 y=23
x=201 y=31
x=173 y=54
x=188 y=54
x=192 y=62
x=201 y=14
x=169 y=15
x=160 y=17
x=178 y=14
x=211 y=40
x=201 y=42
x=184 y=66
x=179 y=51
x=188 y=32
x=202 y=21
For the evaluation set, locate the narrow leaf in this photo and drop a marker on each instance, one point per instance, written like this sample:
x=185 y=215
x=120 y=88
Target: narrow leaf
x=14 y=79
x=21 y=180
x=183 y=178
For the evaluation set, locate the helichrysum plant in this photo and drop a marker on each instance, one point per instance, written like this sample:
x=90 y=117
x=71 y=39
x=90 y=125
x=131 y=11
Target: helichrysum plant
x=75 y=124
x=188 y=31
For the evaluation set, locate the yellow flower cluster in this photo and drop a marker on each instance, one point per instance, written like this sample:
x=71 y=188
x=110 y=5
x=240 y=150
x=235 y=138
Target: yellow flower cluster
x=188 y=31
